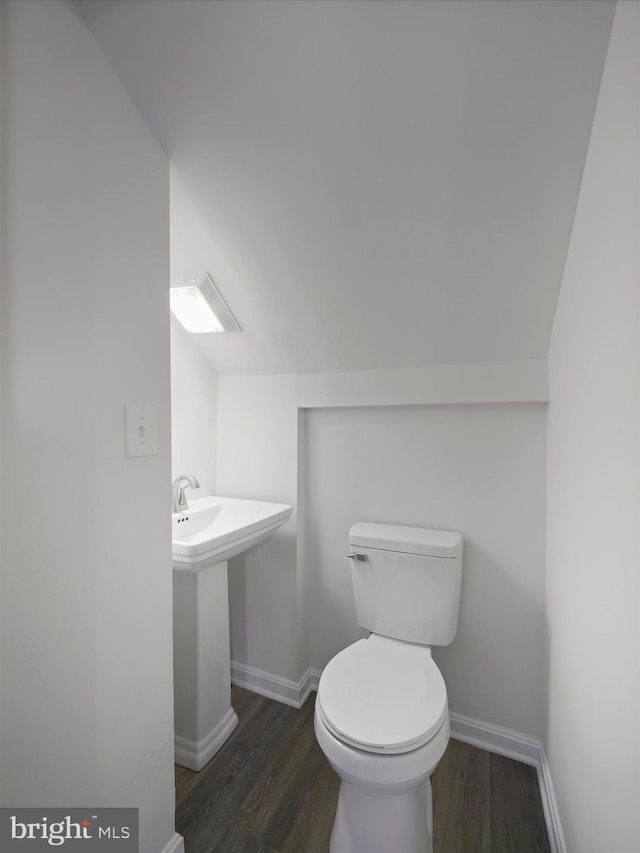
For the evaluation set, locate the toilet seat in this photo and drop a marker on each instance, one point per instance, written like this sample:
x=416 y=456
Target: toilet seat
x=383 y=696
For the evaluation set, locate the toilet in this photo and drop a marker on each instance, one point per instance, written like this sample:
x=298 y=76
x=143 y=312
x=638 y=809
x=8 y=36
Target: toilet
x=381 y=716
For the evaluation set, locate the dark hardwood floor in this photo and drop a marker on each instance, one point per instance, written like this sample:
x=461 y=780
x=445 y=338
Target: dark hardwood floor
x=271 y=790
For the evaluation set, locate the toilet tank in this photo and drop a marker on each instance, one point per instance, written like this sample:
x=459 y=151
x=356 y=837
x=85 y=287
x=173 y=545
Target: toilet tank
x=406 y=581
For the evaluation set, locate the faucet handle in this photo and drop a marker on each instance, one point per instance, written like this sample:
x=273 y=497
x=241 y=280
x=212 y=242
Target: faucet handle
x=189 y=478
x=179 y=502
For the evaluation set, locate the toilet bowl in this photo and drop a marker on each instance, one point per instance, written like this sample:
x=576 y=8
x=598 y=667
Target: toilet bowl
x=381 y=715
x=382 y=721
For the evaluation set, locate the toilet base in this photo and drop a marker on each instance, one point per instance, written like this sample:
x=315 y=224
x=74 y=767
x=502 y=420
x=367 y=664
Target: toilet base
x=374 y=821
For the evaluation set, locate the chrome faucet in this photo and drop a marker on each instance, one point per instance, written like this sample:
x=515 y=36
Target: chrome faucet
x=178 y=500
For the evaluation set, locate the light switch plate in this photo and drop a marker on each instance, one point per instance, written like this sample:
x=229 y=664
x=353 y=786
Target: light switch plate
x=140 y=431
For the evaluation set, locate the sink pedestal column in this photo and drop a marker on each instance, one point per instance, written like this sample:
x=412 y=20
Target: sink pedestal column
x=204 y=718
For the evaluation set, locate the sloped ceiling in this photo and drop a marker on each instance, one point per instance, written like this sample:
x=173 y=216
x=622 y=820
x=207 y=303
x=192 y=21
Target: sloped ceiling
x=371 y=183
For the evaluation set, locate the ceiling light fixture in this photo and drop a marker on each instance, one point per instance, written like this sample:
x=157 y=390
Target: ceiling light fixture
x=197 y=303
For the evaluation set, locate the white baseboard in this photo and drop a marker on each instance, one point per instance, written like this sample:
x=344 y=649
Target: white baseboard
x=495 y=739
x=174 y=845
x=313 y=676
x=550 y=805
x=520 y=747
x=294 y=693
x=195 y=754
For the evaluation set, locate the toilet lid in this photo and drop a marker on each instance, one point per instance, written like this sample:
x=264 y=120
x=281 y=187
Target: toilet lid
x=383 y=696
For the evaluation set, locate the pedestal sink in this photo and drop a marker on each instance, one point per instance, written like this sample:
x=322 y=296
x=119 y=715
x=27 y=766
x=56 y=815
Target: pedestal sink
x=205 y=536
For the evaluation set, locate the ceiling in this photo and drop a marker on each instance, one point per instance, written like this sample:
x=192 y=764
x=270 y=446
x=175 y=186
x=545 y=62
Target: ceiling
x=371 y=183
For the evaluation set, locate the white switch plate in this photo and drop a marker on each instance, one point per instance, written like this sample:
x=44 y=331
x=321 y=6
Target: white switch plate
x=140 y=430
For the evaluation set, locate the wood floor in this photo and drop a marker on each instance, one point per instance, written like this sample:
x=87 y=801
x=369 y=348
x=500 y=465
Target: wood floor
x=271 y=790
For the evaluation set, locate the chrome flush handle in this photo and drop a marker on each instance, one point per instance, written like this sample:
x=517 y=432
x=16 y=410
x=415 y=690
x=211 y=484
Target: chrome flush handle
x=360 y=557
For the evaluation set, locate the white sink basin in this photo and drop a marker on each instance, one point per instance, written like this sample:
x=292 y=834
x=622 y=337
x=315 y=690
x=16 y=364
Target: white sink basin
x=215 y=529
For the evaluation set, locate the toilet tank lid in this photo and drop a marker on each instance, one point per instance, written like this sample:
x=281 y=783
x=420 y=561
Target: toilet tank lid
x=406 y=540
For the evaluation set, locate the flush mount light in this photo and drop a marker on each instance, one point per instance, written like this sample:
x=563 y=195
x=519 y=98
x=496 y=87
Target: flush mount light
x=199 y=306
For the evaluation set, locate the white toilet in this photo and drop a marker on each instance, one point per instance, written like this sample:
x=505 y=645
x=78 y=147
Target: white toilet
x=381 y=715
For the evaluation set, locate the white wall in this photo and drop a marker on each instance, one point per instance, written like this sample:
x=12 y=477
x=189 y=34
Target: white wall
x=257 y=457
x=2 y=277
x=476 y=469
x=592 y=595
x=193 y=412
x=262 y=442
x=87 y=710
